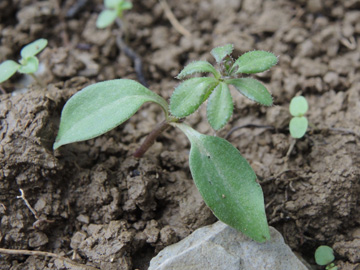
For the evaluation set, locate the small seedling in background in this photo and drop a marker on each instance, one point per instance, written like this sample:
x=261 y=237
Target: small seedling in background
x=324 y=255
x=113 y=9
x=299 y=123
x=224 y=178
x=113 y=13
x=28 y=64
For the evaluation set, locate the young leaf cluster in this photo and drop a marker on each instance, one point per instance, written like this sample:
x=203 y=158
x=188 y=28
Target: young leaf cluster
x=299 y=123
x=223 y=177
x=113 y=9
x=27 y=64
x=191 y=93
x=324 y=255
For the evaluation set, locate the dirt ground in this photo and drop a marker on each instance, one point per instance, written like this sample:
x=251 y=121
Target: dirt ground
x=103 y=208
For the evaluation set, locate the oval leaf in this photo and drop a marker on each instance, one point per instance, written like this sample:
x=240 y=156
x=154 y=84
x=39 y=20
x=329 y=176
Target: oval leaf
x=105 y=18
x=198 y=67
x=255 y=61
x=219 y=53
x=298 y=127
x=220 y=106
x=227 y=184
x=31 y=65
x=101 y=107
x=298 y=106
x=324 y=255
x=7 y=69
x=253 y=90
x=190 y=94
x=33 y=48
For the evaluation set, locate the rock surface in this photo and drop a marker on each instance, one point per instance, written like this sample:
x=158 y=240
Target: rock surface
x=219 y=246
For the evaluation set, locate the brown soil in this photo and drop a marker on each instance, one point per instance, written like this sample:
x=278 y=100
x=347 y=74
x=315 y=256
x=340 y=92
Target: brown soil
x=104 y=208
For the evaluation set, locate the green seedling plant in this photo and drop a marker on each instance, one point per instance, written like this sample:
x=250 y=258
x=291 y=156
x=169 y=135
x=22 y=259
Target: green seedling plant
x=28 y=63
x=224 y=178
x=324 y=255
x=113 y=9
x=299 y=123
x=113 y=12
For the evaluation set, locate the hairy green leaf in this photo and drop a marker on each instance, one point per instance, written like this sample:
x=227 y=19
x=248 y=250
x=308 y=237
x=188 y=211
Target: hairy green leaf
x=253 y=90
x=101 y=107
x=29 y=65
x=298 y=106
x=105 y=18
x=227 y=184
x=220 y=106
x=190 y=94
x=33 y=48
x=219 y=53
x=324 y=255
x=7 y=69
x=298 y=126
x=255 y=61
x=198 y=67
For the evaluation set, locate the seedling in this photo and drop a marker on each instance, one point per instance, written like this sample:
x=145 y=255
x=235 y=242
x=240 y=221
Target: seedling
x=324 y=255
x=224 y=178
x=27 y=64
x=299 y=123
x=113 y=13
x=113 y=9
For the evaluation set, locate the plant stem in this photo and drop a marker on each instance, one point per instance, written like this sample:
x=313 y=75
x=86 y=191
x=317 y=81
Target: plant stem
x=130 y=53
x=2 y=90
x=150 y=139
x=39 y=82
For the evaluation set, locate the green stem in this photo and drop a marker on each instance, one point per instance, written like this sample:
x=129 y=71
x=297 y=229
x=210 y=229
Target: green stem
x=150 y=139
x=38 y=81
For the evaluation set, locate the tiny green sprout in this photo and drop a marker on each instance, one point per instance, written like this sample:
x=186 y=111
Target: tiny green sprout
x=113 y=9
x=299 y=123
x=324 y=255
x=27 y=64
x=223 y=177
x=113 y=12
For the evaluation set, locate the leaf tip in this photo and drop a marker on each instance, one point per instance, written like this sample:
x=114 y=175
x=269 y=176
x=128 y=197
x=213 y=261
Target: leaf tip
x=56 y=145
x=220 y=52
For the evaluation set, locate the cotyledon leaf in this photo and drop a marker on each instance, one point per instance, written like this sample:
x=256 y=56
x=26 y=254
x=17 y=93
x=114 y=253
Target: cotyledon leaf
x=324 y=255
x=298 y=126
x=112 y=3
x=33 y=48
x=105 y=18
x=29 y=65
x=227 y=184
x=298 y=106
x=7 y=69
x=101 y=107
x=125 y=5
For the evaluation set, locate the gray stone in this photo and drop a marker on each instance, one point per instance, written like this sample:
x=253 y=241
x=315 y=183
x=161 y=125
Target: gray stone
x=219 y=246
